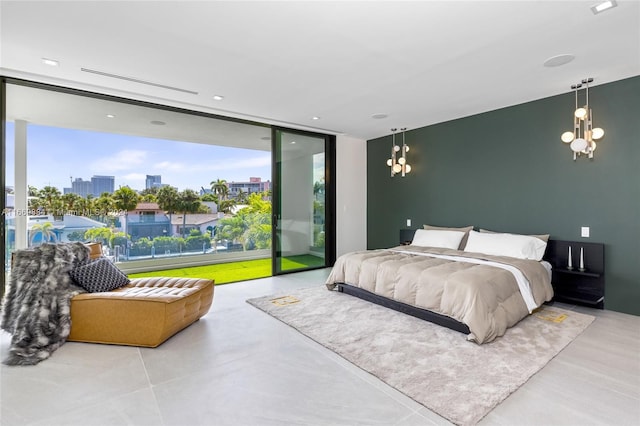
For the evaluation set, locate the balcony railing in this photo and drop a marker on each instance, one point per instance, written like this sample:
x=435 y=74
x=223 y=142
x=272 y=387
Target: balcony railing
x=160 y=219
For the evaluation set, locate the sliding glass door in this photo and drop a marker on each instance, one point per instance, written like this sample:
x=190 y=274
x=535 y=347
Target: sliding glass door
x=302 y=209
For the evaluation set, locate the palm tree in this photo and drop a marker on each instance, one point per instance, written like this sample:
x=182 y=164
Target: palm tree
x=220 y=188
x=209 y=197
x=125 y=199
x=49 y=194
x=72 y=202
x=259 y=229
x=241 y=198
x=45 y=230
x=48 y=199
x=32 y=191
x=226 y=206
x=188 y=202
x=103 y=205
x=35 y=204
x=168 y=200
x=150 y=191
x=86 y=206
x=232 y=228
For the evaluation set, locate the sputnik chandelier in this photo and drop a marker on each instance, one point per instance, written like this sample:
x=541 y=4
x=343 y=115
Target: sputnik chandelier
x=398 y=164
x=583 y=137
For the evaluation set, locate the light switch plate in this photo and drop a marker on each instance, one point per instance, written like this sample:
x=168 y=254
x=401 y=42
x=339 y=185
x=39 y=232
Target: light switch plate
x=584 y=232
x=409 y=222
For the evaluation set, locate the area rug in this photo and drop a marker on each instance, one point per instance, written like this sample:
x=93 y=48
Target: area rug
x=435 y=366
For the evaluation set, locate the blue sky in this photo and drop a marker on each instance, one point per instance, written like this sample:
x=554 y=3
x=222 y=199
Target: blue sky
x=56 y=154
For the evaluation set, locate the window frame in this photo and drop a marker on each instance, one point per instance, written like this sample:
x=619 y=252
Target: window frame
x=143 y=265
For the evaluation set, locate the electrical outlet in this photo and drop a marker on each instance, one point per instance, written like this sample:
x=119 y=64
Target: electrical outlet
x=584 y=232
x=409 y=222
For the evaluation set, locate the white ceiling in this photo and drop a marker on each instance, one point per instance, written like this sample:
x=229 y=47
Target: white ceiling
x=420 y=62
x=58 y=109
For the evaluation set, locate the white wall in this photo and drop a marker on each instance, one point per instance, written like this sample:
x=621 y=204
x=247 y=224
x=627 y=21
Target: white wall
x=351 y=196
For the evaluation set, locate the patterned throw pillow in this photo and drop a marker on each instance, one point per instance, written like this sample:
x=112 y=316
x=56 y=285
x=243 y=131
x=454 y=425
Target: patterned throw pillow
x=98 y=276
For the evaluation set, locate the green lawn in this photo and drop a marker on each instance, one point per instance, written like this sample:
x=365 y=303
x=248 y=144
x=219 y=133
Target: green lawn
x=223 y=273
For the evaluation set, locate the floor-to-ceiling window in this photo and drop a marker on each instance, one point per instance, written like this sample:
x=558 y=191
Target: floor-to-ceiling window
x=156 y=185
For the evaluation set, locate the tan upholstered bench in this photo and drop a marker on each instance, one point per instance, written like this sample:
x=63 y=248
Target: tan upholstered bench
x=145 y=312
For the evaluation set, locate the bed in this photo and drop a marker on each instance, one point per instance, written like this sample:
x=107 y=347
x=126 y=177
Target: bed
x=478 y=283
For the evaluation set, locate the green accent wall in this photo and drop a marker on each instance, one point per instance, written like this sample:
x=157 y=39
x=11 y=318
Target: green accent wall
x=507 y=170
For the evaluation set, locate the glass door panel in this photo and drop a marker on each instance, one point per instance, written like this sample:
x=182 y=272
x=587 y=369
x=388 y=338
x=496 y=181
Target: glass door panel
x=299 y=201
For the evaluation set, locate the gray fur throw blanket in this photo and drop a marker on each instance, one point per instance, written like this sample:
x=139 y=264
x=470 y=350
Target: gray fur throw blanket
x=36 y=308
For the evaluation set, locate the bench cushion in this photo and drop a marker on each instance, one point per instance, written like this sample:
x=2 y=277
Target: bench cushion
x=145 y=312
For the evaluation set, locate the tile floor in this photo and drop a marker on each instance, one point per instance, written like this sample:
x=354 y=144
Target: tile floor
x=239 y=366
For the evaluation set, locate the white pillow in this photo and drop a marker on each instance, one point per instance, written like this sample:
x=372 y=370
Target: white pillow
x=512 y=245
x=437 y=238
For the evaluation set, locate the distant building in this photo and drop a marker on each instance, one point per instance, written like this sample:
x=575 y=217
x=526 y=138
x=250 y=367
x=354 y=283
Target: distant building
x=60 y=229
x=255 y=184
x=96 y=186
x=147 y=220
x=153 y=181
x=80 y=187
x=9 y=199
x=72 y=223
x=205 y=222
x=212 y=206
x=102 y=184
x=204 y=191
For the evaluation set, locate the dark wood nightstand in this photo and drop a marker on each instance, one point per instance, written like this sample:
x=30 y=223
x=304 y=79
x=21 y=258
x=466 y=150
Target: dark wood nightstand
x=406 y=236
x=574 y=285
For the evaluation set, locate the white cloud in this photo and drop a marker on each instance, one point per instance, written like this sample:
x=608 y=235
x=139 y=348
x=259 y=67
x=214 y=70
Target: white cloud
x=220 y=164
x=132 y=180
x=122 y=160
x=168 y=165
x=245 y=163
x=135 y=176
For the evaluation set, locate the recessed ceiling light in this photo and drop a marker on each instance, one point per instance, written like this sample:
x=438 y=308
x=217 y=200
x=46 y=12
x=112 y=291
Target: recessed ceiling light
x=556 y=61
x=266 y=138
x=218 y=97
x=111 y=116
x=50 y=62
x=315 y=118
x=379 y=116
x=602 y=6
x=293 y=142
x=158 y=122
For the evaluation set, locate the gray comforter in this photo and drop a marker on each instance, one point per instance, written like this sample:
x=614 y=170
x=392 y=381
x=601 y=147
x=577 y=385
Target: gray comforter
x=486 y=298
